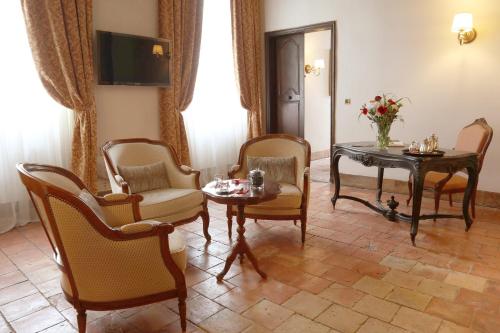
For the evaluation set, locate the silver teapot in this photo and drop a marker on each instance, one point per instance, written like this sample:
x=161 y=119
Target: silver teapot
x=256 y=178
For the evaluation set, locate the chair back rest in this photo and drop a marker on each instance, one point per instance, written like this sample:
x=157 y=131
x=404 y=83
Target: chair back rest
x=135 y=152
x=64 y=216
x=278 y=145
x=40 y=180
x=476 y=138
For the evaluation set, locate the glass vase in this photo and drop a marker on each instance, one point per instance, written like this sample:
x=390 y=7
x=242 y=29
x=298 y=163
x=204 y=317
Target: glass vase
x=383 y=139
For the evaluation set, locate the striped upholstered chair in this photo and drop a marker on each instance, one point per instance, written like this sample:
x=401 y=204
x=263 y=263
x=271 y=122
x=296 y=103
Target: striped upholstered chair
x=292 y=202
x=108 y=260
x=170 y=194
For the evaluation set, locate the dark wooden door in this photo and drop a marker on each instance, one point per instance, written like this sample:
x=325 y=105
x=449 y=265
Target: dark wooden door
x=288 y=99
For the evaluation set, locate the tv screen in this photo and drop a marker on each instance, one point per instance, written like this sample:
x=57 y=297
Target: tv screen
x=132 y=60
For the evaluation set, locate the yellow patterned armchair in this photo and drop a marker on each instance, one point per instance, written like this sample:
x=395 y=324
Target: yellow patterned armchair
x=108 y=260
x=172 y=194
x=292 y=203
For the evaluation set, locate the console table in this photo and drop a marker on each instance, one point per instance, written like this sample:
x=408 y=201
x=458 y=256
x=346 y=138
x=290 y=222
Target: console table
x=367 y=154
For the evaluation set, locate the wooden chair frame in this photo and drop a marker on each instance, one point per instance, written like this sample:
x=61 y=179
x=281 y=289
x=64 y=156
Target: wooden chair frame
x=44 y=190
x=438 y=189
x=305 y=192
x=125 y=187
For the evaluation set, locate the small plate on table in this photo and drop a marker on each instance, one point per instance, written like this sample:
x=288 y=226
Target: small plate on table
x=435 y=153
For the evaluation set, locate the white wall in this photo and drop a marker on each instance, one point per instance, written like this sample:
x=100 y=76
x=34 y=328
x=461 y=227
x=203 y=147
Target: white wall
x=126 y=111
x=406 y=47
x=317 y=114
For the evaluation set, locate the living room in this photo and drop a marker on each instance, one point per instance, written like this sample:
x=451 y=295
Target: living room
x=250 y=166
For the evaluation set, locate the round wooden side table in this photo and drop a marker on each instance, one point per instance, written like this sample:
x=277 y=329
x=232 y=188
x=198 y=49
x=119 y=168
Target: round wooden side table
x=252 y=197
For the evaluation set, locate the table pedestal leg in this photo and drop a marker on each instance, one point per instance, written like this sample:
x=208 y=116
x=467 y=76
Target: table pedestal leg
x=471 y=185
x=336 y=177
x=418 y=188
x=240 y=248
x=380 y=181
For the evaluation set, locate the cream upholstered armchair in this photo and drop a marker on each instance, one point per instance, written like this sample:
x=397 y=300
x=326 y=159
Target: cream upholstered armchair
x=108 y=260
x=171 y=192
x=292 y=203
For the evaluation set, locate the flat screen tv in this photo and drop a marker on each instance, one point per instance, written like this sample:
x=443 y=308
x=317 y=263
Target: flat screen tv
x=132 y=60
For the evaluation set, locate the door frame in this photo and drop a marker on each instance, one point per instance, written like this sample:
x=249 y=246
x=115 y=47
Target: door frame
x=269 y=38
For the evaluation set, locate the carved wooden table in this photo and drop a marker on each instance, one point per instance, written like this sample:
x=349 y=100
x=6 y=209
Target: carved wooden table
x=252 y=197
x=393 y=157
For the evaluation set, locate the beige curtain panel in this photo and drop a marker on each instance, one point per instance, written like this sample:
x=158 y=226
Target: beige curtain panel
x=60 y=36
x=180 y=21
x=246 y=18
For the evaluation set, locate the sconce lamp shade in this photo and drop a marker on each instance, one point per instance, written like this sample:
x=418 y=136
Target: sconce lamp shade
x=157 y=50
x=319 y=63
x=462 y=22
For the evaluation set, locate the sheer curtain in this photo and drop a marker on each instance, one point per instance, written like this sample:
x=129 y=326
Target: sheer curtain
x=216 y=124
x=33 y=127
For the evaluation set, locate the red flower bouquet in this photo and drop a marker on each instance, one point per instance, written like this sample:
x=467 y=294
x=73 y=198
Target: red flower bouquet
x=382 y=111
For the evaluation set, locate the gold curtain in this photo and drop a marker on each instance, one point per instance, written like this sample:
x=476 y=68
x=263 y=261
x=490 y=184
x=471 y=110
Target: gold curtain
x=246 y=18
x=60 y=36
x=180 y=21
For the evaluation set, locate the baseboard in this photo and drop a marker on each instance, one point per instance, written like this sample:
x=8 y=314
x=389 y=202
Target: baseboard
x=317 y=155
x=483 y=198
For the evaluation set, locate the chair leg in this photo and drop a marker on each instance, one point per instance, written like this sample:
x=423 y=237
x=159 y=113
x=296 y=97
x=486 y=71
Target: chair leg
x=294 y=222
x=437 y=198
x=303 y=224
x=450 y=197
x=206 y=222
x=410 y=191
x=81 y=319
x=229 y=214
x=255 y=220
x=473 y=203
x=182 y=313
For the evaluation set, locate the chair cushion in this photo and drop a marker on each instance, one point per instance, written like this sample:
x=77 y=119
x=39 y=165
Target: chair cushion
x=456 y=182
x=290 y=197
x=168 y=201
x=279 y=169
x=141 y=178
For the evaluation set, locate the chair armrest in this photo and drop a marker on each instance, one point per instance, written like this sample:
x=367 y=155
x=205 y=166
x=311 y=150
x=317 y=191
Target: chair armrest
x=122 y=183
x=234 y=170
x=183 y=176
x=120 y=208
x=186 y=168
x=146 y=228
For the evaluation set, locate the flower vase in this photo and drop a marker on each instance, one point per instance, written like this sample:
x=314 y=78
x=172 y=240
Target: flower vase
x=383 y=139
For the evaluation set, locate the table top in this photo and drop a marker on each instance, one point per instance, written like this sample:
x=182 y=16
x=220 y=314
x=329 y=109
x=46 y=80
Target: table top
x=397 y=152
x=269 y=192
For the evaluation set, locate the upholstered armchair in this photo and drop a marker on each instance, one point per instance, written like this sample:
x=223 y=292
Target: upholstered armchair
x=171 y=192
x=476 y=138
x=292 y=203
x=108 y=259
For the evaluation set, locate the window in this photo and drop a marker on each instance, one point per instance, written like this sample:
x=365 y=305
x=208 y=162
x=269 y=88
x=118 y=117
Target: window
x=33 y=127
x=216 y=124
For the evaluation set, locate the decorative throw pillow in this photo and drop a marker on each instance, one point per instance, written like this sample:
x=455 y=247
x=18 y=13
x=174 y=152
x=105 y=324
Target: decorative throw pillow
x=141 y=178
x=279 y=169
x=92 y=203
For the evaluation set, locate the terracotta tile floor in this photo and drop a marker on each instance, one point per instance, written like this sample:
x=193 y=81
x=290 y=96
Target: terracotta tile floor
x=356 y=273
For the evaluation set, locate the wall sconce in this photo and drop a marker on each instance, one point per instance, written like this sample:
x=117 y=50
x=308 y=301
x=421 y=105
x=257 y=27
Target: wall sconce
x=157 y=50
x=462 y=24
x=316 y=69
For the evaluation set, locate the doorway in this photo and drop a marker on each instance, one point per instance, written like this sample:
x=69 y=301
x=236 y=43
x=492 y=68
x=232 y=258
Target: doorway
x=300 y=86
